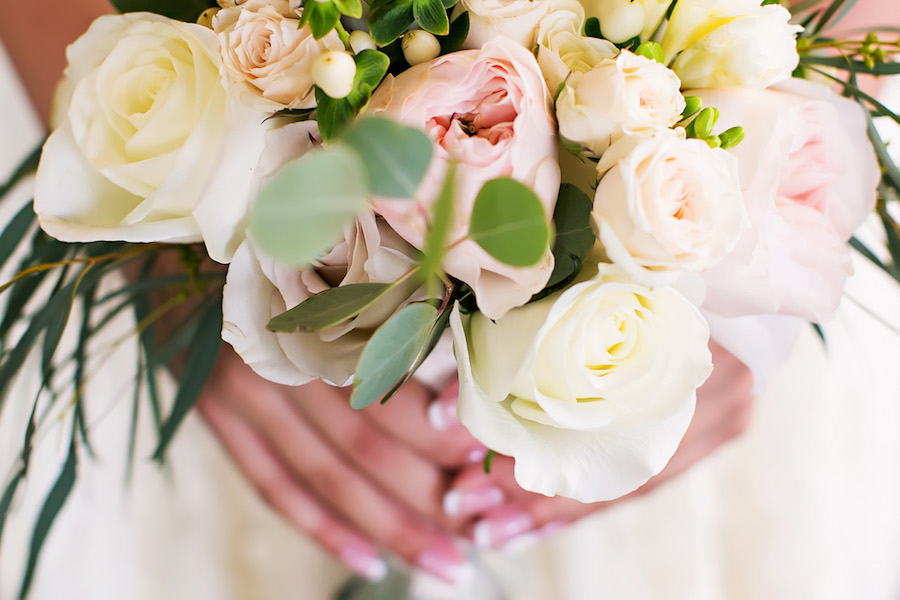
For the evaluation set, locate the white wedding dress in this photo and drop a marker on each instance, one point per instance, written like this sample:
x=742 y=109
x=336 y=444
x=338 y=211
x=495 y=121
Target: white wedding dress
x=803 y=505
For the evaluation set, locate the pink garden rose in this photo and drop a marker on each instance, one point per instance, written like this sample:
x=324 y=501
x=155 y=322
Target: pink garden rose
x=809 y=175
x=490 y=111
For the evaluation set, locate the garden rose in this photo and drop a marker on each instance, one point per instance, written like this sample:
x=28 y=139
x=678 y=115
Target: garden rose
x=722 y=43
x=810 y=176
x=489 y=110
x=562 y=49
x=514 y=19
x=265 y=51
x=258 y=289
x=626 y=95
x=640 y=18
x=151 y=144
x=590 y=389
x=666 y=203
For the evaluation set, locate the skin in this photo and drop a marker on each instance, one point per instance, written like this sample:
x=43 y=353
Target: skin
x=363 y=481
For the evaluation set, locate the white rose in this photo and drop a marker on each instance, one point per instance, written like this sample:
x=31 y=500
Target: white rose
x=722 y=43
x=258 y=288
x=562 y=49
x=151 y=143
x=809 y=175
x=590 y=390
x=667 y=203
x=641 y=18
x=626 y=95
x=514 y=19
x=269 y=54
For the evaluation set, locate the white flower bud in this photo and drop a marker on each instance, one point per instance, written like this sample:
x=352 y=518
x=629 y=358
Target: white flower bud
x=206 y=17
x=361 y=40
x=420 y=46
x=620 y=20
x=333 y=72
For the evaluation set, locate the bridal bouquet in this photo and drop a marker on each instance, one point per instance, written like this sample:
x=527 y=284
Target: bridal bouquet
x=578 y=190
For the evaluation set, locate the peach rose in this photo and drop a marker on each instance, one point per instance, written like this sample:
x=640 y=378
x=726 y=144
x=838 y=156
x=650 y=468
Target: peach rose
x=489 y=110
x=809 y=175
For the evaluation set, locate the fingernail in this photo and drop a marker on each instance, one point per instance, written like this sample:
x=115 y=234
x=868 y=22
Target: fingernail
x=447 y=563
x=552 y=528
x=462 y=503
x=365 y=562
x=496 y=531
x=442 y=413
x=477 y=455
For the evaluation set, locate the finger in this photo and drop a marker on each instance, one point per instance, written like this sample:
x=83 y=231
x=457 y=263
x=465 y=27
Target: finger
x=428 y=426
x=313 y=461
x=276 y=485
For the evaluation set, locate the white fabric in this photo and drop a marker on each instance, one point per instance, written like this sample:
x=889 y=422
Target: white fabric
x=803 y=505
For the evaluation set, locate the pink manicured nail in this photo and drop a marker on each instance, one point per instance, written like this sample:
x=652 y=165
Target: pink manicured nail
x=442 y=413
x=446 y=562
x=364 y=561
x=552 y=528
x=462 y=503
x=477 y=455
x=496 y=531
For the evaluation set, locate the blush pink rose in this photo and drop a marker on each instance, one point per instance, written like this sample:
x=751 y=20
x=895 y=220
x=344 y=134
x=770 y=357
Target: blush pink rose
x=490 y=111
x=809 y=175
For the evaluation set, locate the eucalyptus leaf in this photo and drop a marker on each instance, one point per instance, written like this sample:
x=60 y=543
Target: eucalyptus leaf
x=302 y=211
x=441 y=222
x=329 y=308
x=391 y=352
x=181 y=10
x=508 y=222
x=574 y=234
x=395 y=156
x=431 y=16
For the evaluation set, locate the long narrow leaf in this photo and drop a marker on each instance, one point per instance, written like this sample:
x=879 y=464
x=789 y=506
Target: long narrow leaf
x=6 y=499
x=15 y=231
x=25 y=168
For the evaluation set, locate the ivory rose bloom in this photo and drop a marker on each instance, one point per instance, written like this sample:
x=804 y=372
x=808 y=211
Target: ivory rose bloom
x=151 y=144
x=590 y=389
x=621 y=20
x=488 y=110
x=626 y=95
x=722 y=43
x=264 y=50
x=666 y=203
x=258 y=289
x=513 y=19
x=562 y=49
x=810 y=176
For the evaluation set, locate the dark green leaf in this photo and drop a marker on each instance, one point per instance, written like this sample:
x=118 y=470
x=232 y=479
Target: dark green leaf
x=391 y=352
x=459 y=31
x=845 y=64
x=441 y=222
x=6 y=499
x=389 y=20
x=351 y=8
x=395 y=156
x=197 y=369
x=508 y=222
x=52 y=505
x=431 y=16
x=827 y=17
x=26 y=167
x=15 y=231
x=302 y=211
x=334 y=114
x=321 y=16
x=327 y=309
x=592 y=28
x=574 y=235
x=182 y=10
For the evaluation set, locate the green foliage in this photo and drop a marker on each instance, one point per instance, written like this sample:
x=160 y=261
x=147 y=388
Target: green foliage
x=334 y=114
x=351 y=8
x=651 y=50
x=488 y=461
x=592 y=28
x=508 y=222
x=389 y=19
x=302 y=210
x=574 y=234
x=441 y=223
x=391 y=353
x=459 y=30
x=182 y=10
x=321 y=17
x=431 y=16
x=329 y=308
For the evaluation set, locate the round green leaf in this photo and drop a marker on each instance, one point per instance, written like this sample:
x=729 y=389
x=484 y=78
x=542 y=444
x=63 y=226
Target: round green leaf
x=508 y=222
x=302 y=210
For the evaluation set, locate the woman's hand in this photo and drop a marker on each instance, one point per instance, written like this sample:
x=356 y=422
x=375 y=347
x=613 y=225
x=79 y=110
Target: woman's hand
x=500 y=510
x=356 y=481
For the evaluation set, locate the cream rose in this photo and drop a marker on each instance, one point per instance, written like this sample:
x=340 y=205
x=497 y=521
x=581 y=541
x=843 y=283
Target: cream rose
x=590 y=390
x=666 y=204
x=722 y=43
x=810 y=176
x=257 y=289
x=626 y=95
x=151 y=144
x=562 y=49
x=514 y=19
x=265 y=50
x=621 y=20
x=489 y=110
